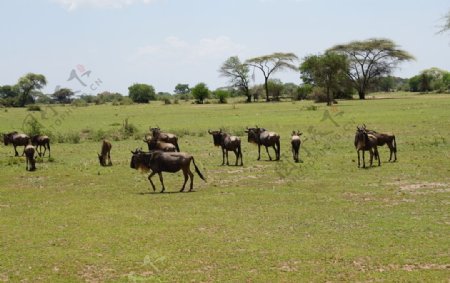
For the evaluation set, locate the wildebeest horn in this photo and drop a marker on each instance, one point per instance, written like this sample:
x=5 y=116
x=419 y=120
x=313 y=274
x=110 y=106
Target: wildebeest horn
x=209 y=131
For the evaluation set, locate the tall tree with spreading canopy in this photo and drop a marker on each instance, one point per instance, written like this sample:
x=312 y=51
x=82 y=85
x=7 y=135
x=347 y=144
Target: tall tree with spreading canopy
x=238 y=74
x=269 y=64
x=327 y=71
x=200 y=92
x=63 y=95
x=369 y=60
x=182 y=89
x=27 y=84
x=141 y=93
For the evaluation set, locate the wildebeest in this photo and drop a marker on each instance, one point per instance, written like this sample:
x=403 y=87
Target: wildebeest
x=296 y=142
x=16 y=139
x=40 y=141
x=106 y=153
x=165 y=137
x=261 y=136
x=155 y=144
x=227 y=143
x=366 y=142
x=383 y=139
x=31 y=161
x=159 y=161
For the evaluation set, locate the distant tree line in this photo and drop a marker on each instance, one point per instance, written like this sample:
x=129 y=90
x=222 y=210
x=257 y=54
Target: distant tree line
x=358 y=67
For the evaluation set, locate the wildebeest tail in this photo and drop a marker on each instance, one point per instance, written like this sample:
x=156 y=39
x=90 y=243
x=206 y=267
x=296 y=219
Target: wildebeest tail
x=176 y=147
x=198 y=171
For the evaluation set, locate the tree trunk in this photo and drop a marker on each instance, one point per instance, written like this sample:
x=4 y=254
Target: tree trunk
x=249 y=96
x=266 y=86
x=362 y=94
x=329 y=102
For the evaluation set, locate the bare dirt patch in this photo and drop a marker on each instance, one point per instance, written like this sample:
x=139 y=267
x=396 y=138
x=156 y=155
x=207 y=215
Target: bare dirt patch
x=421 y=187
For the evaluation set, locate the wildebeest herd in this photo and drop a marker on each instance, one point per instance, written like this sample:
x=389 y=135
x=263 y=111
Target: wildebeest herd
x=164 y=154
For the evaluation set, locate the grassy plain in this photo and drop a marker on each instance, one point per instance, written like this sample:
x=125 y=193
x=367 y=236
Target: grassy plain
x=320 y=220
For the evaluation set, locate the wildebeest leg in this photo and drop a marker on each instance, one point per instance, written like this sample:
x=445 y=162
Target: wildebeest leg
x=236 y=152
x=223 y=156
x=150 y=179
x=371 y=157
x=191 y=175
x=226 y=153
x=185 y=174
x=27 y=165
x=378 y=155
x=162 y=182
x=359 y=164
x=364 y=159
x=267 y=150
x=259 y=151
x=15 y=150
x=109 y=158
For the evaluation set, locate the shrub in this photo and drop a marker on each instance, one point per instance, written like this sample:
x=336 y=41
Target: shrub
x=167 y=101
x=79 y=103
x=33 y=127
x=33 y=108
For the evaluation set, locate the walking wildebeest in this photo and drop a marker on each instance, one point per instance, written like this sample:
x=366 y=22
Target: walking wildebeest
x=40 y=141
x=383 y=139
x=16 y=139
x=227 y=143
x=366 y=142
x=159 y=161
x=296 y=142
x=29 y=153
x=155 y=144
x=106 y=153
x=263 y=137
x=165 y=137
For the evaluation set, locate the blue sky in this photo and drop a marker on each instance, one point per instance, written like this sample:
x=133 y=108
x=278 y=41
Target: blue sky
x=166 y=42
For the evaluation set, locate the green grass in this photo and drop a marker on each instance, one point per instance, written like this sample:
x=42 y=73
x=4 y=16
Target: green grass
x=320 y=220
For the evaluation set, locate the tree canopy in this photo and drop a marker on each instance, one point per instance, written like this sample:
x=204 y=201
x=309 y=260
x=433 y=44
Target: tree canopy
x=269 y=64
x=327 y=71
x=370 y=59
x=27 y=84
x=63 y=95
x=141 y=93
x=238 y=75
x=182 y=89
x=200 y=92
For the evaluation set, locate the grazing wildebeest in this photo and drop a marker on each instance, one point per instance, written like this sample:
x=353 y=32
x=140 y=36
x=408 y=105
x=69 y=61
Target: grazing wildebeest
x=165 y=137
x=296 y=142
x=227 y=143
x=383 y=139
x=366 y=142
x=106 y=153
x=155 y=144
x=263 y=137
x=159 y=161
x=29 y=153
x=16 y=139
x=40 y=141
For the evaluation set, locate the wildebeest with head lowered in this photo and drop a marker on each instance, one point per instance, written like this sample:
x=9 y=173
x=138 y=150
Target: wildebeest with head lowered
x=366 y=142
x=155 y=144
x=159 y=161
x=165 y=137
x=31 y=160
x=40 y=141
x=228 y=143
x=295 y=143
x=16 y=139
x=382 y=139
x=261 y=136
x=106 y=153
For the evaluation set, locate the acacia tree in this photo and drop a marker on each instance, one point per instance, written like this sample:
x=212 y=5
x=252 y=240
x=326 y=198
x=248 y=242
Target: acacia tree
x=238 y=74
x=269 y=64
x=27 y=84
x=63 y=95
x=369 y=60
x=200 y=92
x=327 y=71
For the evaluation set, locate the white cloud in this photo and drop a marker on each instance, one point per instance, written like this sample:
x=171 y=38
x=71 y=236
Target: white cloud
x=74 y=4
x=206 y=48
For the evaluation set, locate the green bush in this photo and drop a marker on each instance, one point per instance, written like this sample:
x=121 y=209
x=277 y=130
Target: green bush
x=33 y=108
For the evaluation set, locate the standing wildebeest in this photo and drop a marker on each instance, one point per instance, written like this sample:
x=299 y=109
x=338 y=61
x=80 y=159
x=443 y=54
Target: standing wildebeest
x=106 y=153
x=155 y=144
x=165 y=137
x=41 y=141
x=227 y=143
x=263 y=137
x=366 y=142
x=383 y=139
x=29 y=153
x=296 y=142
x=17 y=140
x=159 y=161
